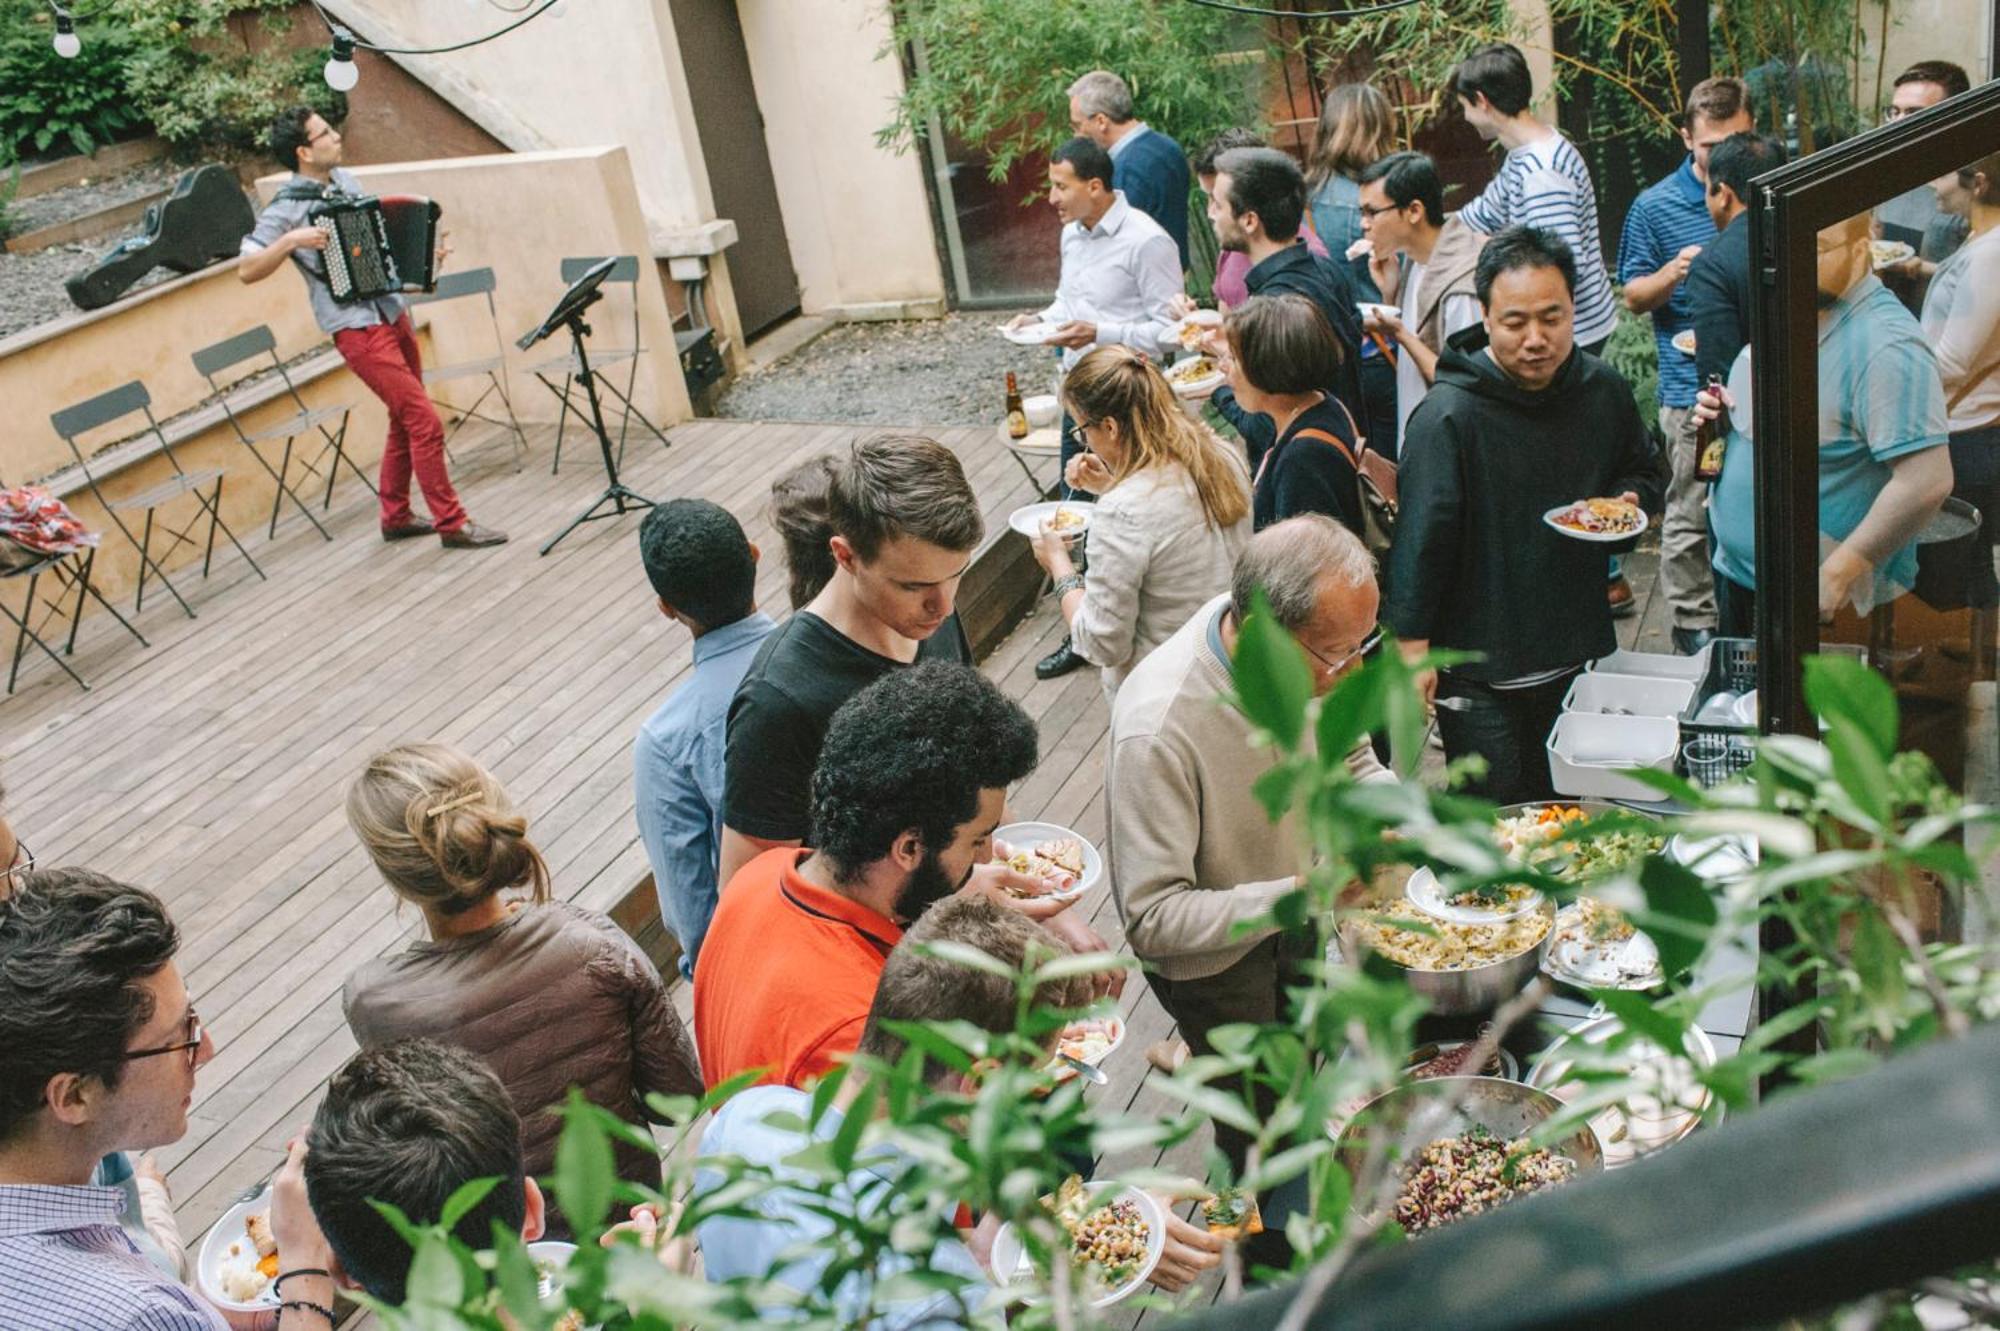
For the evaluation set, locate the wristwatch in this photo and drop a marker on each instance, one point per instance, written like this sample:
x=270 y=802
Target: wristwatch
x=1070 y=583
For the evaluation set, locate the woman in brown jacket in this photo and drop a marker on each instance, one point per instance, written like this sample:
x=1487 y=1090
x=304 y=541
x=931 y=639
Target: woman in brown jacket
x=549 y=994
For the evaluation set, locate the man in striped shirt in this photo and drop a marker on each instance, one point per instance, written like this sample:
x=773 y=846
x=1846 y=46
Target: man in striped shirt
x=1544 y=184
x=1670 y=225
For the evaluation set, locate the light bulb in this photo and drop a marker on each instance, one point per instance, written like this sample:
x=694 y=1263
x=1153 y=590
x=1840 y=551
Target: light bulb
x=341 y=75
x=66 y=43
x=558 y=9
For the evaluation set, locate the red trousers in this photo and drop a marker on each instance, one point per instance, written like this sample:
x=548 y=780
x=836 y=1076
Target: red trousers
x=385 y=358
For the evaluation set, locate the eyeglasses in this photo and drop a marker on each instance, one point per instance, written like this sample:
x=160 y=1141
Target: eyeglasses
x=1367 y=211
x=24 y=862
x=315 y=138
x=191 y=1046
x=1368 y=644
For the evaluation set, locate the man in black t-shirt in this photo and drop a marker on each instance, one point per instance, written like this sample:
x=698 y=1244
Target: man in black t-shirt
x=904 y=528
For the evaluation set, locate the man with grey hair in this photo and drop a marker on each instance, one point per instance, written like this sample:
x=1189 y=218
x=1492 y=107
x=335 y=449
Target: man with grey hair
x=1193 y=854
x=1146 y=165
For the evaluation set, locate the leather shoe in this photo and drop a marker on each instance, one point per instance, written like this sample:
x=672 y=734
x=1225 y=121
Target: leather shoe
x=472 y=536
x=414 y=527
x=1058 y=662
x=1623 y=602
x=1690 y=641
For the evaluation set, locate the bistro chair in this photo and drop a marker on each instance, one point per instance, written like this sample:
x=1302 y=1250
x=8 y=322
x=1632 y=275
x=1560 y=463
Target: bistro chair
x=258 y=345
x=71 y=573
x=458 y=286
x=204 y=485
x=624 y=270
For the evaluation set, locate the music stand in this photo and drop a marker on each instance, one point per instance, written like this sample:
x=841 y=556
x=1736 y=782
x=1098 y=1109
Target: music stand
x=568 y=313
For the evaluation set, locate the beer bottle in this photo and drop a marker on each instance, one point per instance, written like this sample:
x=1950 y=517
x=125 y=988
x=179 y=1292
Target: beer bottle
x=1711 y=439
x=1017 y=415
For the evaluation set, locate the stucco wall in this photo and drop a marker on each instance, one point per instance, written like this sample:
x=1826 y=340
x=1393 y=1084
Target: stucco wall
x=1956 y=30
x=520 y=213
x=857 y=215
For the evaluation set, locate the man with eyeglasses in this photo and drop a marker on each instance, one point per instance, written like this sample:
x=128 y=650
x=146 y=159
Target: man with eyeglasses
x=374 y=337
x=1193 y=854
x=99 y=1046
x=1915 y=219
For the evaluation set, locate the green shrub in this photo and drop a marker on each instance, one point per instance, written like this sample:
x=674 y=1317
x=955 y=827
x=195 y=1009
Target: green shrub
x=204 y=84
x=49 y=102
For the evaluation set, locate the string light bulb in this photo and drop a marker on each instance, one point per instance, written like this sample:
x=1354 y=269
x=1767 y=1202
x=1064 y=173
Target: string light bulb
x=66 y=42
x=341 y=75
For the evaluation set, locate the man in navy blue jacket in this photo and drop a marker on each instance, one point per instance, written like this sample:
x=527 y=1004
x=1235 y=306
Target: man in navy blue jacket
x=1148 y=166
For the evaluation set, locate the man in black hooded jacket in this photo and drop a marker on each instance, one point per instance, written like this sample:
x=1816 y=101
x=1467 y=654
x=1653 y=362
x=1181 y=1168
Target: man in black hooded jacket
x=1519 y=422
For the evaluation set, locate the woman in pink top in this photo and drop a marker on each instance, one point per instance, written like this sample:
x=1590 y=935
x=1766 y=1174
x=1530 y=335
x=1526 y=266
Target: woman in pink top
x=1232 y=266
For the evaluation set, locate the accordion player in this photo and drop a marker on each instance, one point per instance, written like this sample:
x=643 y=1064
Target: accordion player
x=377 y=246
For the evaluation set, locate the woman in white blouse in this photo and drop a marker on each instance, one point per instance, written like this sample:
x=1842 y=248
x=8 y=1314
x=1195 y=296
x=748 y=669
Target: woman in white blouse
x=1961 y=318
x=1173 y=512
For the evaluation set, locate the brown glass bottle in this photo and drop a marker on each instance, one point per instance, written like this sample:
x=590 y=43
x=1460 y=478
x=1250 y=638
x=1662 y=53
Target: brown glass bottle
x=1711 y=438
x=1017 y=415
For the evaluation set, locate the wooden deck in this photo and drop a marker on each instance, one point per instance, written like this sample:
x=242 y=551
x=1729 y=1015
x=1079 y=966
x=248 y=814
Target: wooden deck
x=211 y=767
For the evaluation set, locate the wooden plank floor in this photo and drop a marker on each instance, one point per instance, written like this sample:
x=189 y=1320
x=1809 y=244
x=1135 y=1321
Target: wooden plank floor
x=211 y=767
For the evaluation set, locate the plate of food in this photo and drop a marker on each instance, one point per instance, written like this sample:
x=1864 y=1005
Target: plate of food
x=1533 y=834
x=1888 y=253
x=1597 y=520
x=1071 y=517
x=1231 y=1213
x=1088 y=1041
x=1593 y=946
x=1065 y=861
x=551 y=1259
x=1029 y=335
x=1371 y=309
x=1667 y=1100
x=239 y=1257
x=1684 y=341
x=1114 y=1245
x=1195 y=326
x=1195 y=376
x=1488 y=903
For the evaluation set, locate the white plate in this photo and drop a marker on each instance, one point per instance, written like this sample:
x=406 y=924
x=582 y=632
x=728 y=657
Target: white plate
x=1027 y=519
x=1719 y=859
x=1633 y=964
x=215 y=1252
x=1377 y=310
x=1684 y=342
x=1028 y=335
x=1601 y=537
x=1201 y=387
x=1647 y=1122
x=1208 y=321
x=1061 y=1068
x=1010 y=1259
x=1885 y=253
x=1427 y=895
x=1026 y=836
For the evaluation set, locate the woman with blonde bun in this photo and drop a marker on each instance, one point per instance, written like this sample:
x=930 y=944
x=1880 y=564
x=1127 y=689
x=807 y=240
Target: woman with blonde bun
x=549 y=994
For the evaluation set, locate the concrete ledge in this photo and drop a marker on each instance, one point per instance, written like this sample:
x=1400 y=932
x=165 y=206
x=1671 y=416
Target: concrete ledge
x=88 y=227
x=702 y=239
x=886 y=311
x=74 y=170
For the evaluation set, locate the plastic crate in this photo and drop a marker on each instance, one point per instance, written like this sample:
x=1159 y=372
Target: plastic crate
x=1652 y=665
x=1732 y=665
x=1628 y=695
x=1577 y=749
x=1733 y=755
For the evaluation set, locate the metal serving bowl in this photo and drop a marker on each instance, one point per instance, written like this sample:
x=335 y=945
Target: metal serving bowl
x=1472 y=990
x=1415 y=1114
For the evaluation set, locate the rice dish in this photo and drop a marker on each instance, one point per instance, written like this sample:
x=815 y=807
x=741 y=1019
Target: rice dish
x=1451 y=946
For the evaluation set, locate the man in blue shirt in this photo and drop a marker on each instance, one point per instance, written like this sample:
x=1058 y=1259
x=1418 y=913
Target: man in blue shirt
x=1147 y=167
x=1670 y=225
x=1884 y=468
x=704 y=571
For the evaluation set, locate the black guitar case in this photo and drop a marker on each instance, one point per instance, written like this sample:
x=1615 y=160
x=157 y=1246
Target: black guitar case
x=202 y=222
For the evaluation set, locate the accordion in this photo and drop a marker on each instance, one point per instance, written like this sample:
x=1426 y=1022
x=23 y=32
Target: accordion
x=377 y=246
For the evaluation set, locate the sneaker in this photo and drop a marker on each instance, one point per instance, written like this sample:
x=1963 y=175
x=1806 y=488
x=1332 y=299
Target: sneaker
x=404 y=531
x=1688 y=642
x=472 y=536
x=1623 y=603
x=1058 y=662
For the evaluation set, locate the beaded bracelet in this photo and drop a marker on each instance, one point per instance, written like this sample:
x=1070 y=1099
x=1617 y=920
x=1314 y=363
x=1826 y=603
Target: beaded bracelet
x=321 y=1309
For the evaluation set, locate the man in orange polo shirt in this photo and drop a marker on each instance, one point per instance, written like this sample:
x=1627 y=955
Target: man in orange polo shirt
x=910 y=784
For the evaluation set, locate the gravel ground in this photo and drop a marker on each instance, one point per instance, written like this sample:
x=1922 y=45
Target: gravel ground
x=31 y=285
x=948 y=371
x=61 y=205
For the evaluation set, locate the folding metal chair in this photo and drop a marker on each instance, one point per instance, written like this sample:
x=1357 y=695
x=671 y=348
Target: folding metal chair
x=74 y=422
x=624 y=269
x=72 y=573
x=457 y=286
x=231 y=352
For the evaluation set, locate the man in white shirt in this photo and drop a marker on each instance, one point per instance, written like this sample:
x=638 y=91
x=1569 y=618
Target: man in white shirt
x=1402 y=213
x=1120 y=274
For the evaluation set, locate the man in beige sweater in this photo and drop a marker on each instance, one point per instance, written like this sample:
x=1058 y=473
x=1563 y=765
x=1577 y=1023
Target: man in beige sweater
x=1192 y=852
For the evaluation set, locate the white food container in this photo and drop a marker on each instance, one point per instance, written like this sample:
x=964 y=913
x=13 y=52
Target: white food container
x=1634 y=695
x=1590 y=755
x=1653 y=665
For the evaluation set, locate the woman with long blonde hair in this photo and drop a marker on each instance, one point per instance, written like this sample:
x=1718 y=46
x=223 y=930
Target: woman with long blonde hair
x=1357 y=128
x=549 y=994
x=1173 y=512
